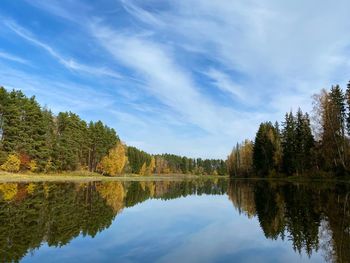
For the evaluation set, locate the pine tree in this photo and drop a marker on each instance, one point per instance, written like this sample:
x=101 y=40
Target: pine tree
x=347 y=97
x=100 y=140
x=13 y=132
x=3 y=103
x=289 y=144
x=264 y=149
x=304 y=142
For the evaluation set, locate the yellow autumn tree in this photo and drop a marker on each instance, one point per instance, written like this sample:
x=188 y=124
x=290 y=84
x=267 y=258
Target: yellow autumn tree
x=240 y=161
x=8 y=191
x=32 y=165
x=113 y=193
x=113 y=163
x=31 y=188
x=151 y=166
x=152 y=188
x=161 y=166
x=143 y=169
x=12 y=164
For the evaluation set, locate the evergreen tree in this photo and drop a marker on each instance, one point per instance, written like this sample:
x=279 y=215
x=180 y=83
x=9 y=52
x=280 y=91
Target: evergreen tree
x=304 y=142
x=289 y=142
x=333 y=137
x=137 y=158
x=70 y=142
x=101 y=138
x=264 y=149
x=347 y=97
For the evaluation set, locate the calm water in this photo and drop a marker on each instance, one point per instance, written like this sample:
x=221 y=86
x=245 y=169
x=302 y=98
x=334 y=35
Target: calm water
x=175 y=221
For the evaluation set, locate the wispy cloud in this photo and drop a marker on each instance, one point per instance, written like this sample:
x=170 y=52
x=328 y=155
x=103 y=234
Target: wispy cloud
x=14 y=58
x=224 y=83
x=166 y=80
x=66 y=62
x=273 y=46
x=62 y=95
x=200 y=78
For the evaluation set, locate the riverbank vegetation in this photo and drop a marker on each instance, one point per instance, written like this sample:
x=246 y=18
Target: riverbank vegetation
x=304 y=145
x=33 y=139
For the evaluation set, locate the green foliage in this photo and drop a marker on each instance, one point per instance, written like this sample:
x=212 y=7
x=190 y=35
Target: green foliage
x=66 y=142
x=101 y=139
x=170 y=163
x=265 y=149
x=298 y=149
x=347 y=99
x=62 y=142
x=297 y=143
x=137 y=158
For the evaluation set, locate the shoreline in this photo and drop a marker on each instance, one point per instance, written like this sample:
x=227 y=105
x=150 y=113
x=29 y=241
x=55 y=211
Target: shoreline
x=90 y=177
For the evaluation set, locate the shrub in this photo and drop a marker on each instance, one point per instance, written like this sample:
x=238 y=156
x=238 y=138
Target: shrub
x=49 y=166
x=24 y=161
x=12 y=164
x=32 y=165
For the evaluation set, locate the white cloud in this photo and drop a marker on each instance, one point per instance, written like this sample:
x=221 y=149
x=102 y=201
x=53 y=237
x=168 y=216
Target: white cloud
x=57 y=94
x=280 y=53
x=14 y=58
x=169 y=83
x=274 y=45
x=224 y=83
x=67 y=62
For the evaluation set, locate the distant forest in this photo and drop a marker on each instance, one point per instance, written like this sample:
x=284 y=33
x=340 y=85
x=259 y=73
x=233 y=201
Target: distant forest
x=299 y=147
x=33 y=139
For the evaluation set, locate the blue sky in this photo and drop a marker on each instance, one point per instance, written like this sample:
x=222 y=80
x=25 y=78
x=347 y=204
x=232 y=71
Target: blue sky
x=189 y=77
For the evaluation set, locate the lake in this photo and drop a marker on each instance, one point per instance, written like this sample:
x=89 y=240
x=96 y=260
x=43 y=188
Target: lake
x=193 y=220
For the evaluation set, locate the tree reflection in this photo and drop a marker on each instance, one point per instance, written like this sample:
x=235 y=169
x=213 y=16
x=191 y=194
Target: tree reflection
x=55 y=213
x=303 y=213
x=312 y=216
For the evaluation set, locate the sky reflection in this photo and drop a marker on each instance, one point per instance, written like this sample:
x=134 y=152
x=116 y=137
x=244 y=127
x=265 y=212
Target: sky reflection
x=205 y=228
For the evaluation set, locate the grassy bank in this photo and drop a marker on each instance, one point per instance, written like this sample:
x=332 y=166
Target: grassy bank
x=89 y=176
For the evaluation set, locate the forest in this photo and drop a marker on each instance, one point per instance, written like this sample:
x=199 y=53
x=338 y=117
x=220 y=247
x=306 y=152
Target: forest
x=33 y=139
x=309 y=146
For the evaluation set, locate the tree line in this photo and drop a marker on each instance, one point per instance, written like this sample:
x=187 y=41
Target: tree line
x=317 y=145
x=34 y=139
x=143 y=163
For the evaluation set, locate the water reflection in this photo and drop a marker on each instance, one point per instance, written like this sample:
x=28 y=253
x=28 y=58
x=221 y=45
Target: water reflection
x=312 y=217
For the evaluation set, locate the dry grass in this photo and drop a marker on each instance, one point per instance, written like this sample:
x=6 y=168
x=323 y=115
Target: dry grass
x=84 y=176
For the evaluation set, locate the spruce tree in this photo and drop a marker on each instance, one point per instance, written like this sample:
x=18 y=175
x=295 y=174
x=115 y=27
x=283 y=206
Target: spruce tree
x=264 y=149
x=304 y=142
x=289 y=144
x=333 y=139
x=347 y=97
